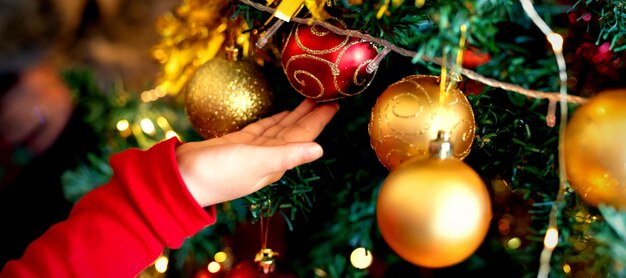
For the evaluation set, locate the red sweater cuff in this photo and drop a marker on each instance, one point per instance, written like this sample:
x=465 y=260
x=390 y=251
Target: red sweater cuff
x=155 y=173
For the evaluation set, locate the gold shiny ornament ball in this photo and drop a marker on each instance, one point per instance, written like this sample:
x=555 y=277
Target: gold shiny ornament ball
x=433 y=212
x=595 y=149
x=223 y=96
x=408 y=115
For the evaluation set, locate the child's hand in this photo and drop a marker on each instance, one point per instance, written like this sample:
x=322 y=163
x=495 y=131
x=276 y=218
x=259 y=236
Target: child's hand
x=240 y=163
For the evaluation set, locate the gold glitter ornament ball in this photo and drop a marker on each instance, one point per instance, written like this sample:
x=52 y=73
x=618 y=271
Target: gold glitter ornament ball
x=595 y=153
x=408 y=115
x=223 y=96
x=433 y=212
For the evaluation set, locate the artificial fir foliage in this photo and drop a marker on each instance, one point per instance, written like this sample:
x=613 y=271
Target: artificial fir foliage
x=329 y=205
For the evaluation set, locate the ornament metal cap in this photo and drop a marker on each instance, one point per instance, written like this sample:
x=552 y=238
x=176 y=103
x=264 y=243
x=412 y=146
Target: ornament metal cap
x=441 y=147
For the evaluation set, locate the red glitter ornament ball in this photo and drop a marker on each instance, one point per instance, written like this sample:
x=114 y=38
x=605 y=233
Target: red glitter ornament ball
x=324 y=66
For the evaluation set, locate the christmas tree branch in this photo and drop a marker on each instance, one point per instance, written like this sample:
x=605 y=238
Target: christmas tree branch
x=552 y=96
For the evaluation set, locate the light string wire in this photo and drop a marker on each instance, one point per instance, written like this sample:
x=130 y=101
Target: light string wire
x=551 y=238
x=552 y=96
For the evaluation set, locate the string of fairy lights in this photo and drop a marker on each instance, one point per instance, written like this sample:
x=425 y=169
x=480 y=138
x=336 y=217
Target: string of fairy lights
x=555 y=96
x=551 y=238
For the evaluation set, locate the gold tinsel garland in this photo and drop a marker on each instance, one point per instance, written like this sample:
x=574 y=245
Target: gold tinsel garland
x=192 y=34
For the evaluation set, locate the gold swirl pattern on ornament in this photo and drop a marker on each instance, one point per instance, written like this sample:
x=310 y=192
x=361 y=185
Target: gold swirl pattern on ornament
x=405 y=137
x=463 y=128
x=455 y=97
x=410 y=149
x=333 y=68
x=466 y=136
x=288 y=39
x=315 y=51
x=406 y=117
x=382 y=141
x=319 y=33
x=355 y=75
x=469 y=135
x=421 y=109
x=417 y=152
x=301 y=82
x=390 y=109
x=370 y=126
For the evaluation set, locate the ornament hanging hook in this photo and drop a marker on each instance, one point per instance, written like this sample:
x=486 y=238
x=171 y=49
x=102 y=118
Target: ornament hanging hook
x=441 y=147
x=284 y=12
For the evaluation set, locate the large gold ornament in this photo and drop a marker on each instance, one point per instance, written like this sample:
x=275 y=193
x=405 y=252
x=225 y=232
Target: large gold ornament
x=433 y=212
x=595 y=149
x=223 y=96
x=408 y=115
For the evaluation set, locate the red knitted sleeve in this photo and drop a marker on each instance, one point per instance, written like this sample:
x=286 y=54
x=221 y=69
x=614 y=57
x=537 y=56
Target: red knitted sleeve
x=119 y=228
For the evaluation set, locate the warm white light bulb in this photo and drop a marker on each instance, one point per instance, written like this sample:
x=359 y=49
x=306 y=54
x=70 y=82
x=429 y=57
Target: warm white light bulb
x=361 y=258
x=214 y=267
x=552 y=238
x=514 y=243
x=161 y=264
x=170 y=133
x=220 y=257
x=556 y=41
x=163 y=123
x=147 y=126
x=122 y=125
